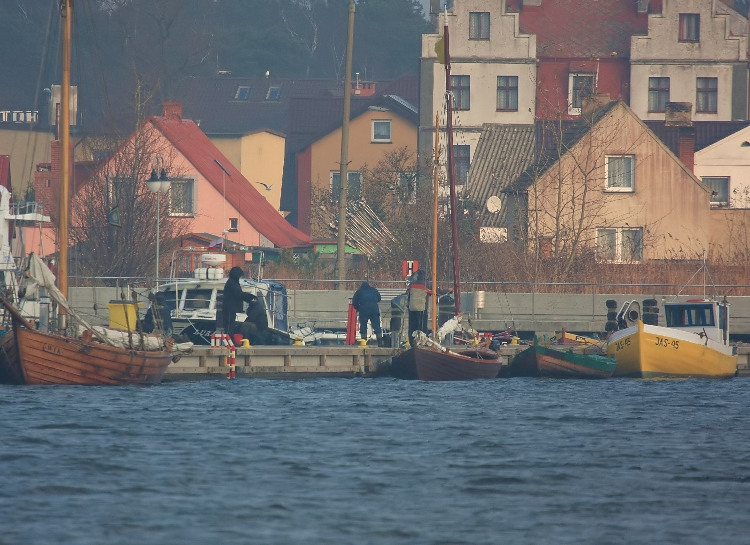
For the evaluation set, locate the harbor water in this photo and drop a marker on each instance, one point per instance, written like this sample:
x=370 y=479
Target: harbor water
x=377 y=461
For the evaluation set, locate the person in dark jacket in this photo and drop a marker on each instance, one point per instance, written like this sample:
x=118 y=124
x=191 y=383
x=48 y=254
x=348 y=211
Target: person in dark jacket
x=232 y=300
x=365 y=301
x=158 y=316
x=255 y=328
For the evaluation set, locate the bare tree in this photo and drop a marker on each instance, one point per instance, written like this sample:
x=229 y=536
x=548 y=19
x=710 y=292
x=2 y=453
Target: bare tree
x=113 y=216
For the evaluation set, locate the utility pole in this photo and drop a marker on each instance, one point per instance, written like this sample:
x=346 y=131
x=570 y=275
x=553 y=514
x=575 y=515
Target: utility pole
x=343 y=168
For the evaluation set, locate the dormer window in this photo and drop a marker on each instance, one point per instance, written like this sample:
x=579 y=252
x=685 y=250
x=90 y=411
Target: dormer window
x=243 y=92
x=273 y=93
x=690 y=27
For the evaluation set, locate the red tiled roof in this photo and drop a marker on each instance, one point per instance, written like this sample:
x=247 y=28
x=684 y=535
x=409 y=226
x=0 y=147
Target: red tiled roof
x=189 y=140
x=583 y=29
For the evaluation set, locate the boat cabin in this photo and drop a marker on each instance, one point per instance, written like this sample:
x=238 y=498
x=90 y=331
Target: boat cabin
x=194 y=301
x=700 y=316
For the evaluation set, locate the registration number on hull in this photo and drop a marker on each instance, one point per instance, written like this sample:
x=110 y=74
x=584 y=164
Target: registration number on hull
x=667 y=343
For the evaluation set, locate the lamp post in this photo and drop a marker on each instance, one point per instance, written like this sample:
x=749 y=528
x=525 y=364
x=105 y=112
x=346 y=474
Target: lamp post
x=158 y=183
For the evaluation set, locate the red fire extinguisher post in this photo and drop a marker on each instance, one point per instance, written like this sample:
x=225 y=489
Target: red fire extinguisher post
x=351 y=324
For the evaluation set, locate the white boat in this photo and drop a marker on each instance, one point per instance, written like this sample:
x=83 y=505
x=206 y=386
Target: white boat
x=193 y=301
x=693 y=343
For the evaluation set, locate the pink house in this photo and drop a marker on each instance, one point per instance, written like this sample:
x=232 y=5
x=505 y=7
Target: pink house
x=206 y=188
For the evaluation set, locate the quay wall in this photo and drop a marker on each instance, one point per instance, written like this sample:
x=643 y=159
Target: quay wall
x=489 y=311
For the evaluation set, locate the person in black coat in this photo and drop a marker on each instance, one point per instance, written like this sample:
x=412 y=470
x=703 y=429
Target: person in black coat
x=158 y=316
x=365 y=301
x=255 y=328
x=232 y=300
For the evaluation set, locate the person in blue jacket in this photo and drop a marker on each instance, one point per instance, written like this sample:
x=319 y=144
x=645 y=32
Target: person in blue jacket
x=365 y=301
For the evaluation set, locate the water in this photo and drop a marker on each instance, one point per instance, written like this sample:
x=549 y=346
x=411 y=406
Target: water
x=376 y=461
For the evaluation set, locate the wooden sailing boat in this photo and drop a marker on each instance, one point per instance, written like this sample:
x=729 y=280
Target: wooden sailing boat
x=97 y=356
x=432 y=361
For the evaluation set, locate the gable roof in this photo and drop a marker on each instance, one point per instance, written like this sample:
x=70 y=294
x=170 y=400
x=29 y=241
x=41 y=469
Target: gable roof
x=235 y=106
x=706 y=133
x=311 y=118
x=195 y=146
x=571 y=135
x=502 y=154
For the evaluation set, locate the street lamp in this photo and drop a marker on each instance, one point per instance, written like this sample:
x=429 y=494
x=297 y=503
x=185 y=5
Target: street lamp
x=158 y=183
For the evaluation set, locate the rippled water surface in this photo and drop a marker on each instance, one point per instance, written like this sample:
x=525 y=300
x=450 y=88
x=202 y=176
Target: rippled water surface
x=359 y=461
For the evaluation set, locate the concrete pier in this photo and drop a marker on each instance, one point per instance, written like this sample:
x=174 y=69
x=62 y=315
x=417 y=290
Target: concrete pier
x=297 y=362
x=292 y=362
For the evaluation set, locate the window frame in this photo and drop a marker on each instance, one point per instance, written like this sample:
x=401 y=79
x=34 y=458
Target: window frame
x=575 y=92
x=615 y=253
x=710 y=182
x=187 y=200
x=659 y=92
x=689 y=28
x=508 y=90
x=335 y=186
x=234 y=225
x=461 y=163
x=374 y=133
x=479 y=25
x=461 y=88
x=608 y=187
x=274 y=93
x=706 y=98
x=242 y=92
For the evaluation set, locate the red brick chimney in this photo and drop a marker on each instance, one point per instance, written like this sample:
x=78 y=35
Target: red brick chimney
x=173 y=110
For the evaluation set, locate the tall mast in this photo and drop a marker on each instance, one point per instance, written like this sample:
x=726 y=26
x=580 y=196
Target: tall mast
x=451 y=170
x=66 y=9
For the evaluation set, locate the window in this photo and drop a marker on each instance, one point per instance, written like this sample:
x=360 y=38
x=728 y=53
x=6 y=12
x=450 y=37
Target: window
x=690 y=27
x=273 y=93
x=507 y=93
x=381 y=130
x=619 y=172
x=233 y=225
x=706 y=95
x=719 y=187
x=120 y=190
x=407 y=187
x=462 y=161
x=461 y=92
x=658 y=94
x=580 y=86
x=243 y=92
x=479 y=26
x=619 y=245
x=181 y=198
x=354 y=178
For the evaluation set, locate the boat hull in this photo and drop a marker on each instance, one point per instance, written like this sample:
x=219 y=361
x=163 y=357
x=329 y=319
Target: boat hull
x=463 y=364
x=544 y=361
x=47 y=358
x=648 y=351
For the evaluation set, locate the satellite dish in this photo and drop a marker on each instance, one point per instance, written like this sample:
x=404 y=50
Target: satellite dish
x=494 y=204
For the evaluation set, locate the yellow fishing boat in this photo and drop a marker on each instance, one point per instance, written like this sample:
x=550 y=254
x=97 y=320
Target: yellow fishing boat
x=694 y=342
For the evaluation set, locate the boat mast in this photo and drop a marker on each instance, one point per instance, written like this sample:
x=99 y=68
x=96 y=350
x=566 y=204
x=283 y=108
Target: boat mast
x=66 y=9
x=451 y=169
x=435 y=189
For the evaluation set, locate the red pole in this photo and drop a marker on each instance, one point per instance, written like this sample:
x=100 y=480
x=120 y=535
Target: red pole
x=351 y=324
